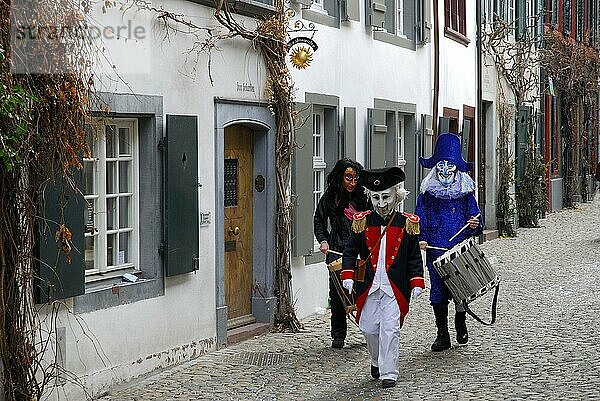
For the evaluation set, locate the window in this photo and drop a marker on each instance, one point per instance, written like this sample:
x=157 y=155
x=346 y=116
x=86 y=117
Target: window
x=551 y=12
x=110 y=188
x=324 y=12
x=400 y=142
x=319 y=164
x=455 y=16
x=399 y=21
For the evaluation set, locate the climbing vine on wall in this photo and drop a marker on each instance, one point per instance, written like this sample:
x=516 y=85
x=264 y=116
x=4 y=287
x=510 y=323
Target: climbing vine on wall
x=43 y=103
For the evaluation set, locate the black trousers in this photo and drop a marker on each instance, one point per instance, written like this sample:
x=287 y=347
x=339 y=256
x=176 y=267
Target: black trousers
x=339 y=325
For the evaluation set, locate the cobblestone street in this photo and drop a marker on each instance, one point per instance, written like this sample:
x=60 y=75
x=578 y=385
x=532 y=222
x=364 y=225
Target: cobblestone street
x=544 y=345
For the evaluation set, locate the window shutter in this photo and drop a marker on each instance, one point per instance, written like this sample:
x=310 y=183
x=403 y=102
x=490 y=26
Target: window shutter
x=443 y=125
x=447 y=11
x=427 y=132
x=424 y=23
x=331 y=7
x=523 y=119
x=352 y=10
x=302 y=182
x=409 y=19
x=462 y=17
x=350 y=132
x=58 y=279
x=377 y=138
x=466 y=136
x=181 y=198
x=521 y=25
x=390 y=11
x=376 y=11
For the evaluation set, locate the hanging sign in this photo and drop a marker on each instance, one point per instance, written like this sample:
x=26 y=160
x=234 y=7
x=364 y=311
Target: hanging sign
x=301 y=51
x=551 y=86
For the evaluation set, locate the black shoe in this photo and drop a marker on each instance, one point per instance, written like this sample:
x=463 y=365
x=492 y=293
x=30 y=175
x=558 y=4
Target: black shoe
x=387 y=383
x=460 y=323
x=374 y=372
x=337 y=343
x=442 y=342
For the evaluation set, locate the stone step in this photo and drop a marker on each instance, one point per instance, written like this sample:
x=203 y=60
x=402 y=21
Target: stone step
x=246 y=332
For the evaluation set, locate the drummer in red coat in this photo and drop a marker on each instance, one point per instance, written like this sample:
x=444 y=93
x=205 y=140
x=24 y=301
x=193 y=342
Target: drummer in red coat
x=393 y=269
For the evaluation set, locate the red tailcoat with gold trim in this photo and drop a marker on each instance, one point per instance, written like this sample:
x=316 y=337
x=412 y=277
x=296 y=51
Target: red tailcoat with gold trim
x=403 y=260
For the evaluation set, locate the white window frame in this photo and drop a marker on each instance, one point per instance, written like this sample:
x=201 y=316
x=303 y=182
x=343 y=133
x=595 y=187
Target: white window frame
x=319 y=164
x=101 y=270
x=317 y=6
x=400 y=19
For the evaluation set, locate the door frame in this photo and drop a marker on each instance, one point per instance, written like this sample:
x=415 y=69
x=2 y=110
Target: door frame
x=257 y=117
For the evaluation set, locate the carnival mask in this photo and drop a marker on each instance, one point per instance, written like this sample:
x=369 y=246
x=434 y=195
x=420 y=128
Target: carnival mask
x=385 y=202
x=446 y=172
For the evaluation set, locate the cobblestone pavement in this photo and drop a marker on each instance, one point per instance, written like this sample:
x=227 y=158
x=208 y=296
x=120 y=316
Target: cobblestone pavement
x=544 y=345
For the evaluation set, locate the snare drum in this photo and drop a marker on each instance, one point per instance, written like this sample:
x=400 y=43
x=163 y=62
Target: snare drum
x=335 y=266
x=466 y=272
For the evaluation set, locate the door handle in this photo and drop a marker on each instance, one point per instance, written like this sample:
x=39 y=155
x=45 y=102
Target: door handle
x=234 y=231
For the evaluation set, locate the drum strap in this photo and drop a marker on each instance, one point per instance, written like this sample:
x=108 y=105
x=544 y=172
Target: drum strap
x=494 y=305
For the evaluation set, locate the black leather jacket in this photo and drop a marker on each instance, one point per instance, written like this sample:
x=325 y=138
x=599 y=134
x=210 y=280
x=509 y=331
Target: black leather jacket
x=331 y=225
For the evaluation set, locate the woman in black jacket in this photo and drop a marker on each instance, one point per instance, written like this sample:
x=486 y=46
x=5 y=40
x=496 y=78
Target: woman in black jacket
x=332 y=224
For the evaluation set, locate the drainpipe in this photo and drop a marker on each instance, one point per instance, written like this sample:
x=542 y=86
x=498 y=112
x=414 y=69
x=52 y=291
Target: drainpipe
x=436 y=66
x=479 y=110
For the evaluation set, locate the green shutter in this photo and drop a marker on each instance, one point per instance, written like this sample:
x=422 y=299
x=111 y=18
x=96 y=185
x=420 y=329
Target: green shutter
x=523 y=120
x=409 y=19
x=427 y=132
x=302 y=182
x=375 y=10
x=331 y=7
x=390 y=25
x=466 y=136
x=424 y=23
x=57 y=278
x=350 y=132
x=521 y=23
x=377 y=138
x=181 y=198
x=353 y=10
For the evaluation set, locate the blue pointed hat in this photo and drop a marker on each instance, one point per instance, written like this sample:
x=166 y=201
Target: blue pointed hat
x=447 y=147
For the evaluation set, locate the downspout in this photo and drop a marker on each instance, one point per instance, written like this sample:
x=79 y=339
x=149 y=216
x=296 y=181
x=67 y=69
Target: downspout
x=436 y=66
x=479 y=89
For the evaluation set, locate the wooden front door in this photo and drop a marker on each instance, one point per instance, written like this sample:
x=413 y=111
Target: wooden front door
x=239 y=166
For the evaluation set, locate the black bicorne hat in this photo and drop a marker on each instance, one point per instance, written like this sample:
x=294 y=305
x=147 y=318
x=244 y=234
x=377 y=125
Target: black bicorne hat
x=381 y=179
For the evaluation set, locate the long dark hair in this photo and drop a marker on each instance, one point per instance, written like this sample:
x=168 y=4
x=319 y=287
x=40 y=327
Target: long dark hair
x=336 y=196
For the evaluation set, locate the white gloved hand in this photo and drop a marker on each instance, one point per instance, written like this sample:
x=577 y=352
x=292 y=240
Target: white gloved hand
x=348 y=284
x=415 y=293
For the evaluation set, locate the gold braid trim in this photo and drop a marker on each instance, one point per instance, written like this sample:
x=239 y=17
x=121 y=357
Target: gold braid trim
x=359 y=221
x=412 y=224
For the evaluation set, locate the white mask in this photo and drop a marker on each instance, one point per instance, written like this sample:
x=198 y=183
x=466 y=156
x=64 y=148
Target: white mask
x=386 y=201
x=446 y=172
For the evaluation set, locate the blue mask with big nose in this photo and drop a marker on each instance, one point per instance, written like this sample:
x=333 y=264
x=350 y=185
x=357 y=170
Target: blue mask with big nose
x=446 y=172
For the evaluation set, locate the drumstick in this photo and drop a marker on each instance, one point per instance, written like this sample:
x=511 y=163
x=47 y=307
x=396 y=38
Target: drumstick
x=437 y=247
x=335 y=252
x=463 y=229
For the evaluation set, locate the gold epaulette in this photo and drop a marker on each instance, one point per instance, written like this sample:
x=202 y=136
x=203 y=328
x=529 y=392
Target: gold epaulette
x=359 y=221
x=412 y=223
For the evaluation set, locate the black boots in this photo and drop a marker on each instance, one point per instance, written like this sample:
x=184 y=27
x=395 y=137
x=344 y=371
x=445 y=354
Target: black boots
x=460 y=323
x=442 y=341
x=374 y=372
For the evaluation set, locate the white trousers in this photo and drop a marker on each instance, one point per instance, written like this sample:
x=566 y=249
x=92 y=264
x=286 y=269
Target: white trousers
x=380 y=323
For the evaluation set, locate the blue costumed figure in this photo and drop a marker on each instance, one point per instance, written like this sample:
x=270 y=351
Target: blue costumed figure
x=445 y=205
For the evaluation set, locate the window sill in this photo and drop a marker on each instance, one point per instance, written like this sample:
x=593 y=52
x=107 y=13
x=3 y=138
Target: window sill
x=249 y=8
x=114 y=292
x=321 y=18
x=456 y=36
x=393 y=39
